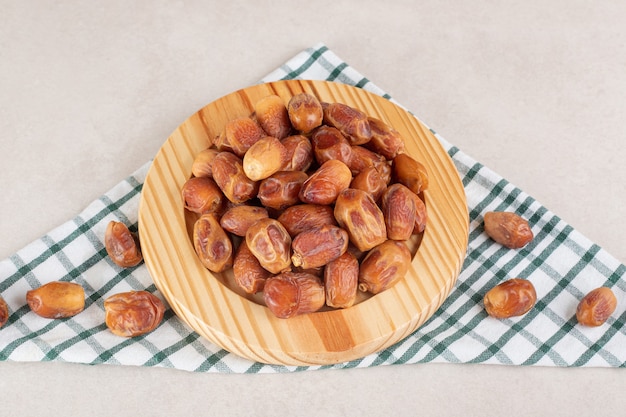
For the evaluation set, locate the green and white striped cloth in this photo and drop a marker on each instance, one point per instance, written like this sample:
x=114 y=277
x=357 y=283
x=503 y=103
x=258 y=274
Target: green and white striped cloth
x=561 y=263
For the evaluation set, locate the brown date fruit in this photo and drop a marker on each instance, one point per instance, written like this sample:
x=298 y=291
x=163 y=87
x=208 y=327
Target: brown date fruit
x=362 y=158
x=122 y=245
x=270 y=243
x=596 y=307
x=229 y=176
x=329 y=143
x=383 y=266
x=316 y=247
x=133 y=313
x=398 y=206
x=281 y=190
x=421 y=215
x=272 y=115
x=240 y=134
x=357 y=212
x=57 y=299
x=514 y=297
x=202 y=195
x=305 y=112
x=325 y=184
x=341 y=279
x=4 y=312
x=203 y=162
x=213 y=246
x=238 y=219
x=299 y=153
x=266 y=157
x=302 y=217
x=409 y=172
x=508 y=229
x=386 y=141
x=370 y=181
x=292 y=293
x=247 y=270
x=351 y=122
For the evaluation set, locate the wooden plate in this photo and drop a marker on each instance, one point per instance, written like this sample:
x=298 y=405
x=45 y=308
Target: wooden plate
x=212 y=306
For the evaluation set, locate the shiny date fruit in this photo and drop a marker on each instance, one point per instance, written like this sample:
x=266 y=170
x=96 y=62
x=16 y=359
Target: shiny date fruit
x=122 y=245
x=341 y=279
x=281 y=190
x=325 y=184
x=238 y=219
x=57 y=299
x=508 y=229
x=231 y=179
x=202 y=195
x=386 y=140
x=329 y=143
x=370 y=181
x=305 y=112
x=299 y=153
x=292 y=293
x=511 y=298
x=266 y=157
x=271 y=113
x=203 y=162
x=316 y=247
x=384 y=266
x=350 y=121
x=270 y=243
x=4 y=312
x=133 y=313
x=303 y=217
x=247 y=270
x=421 y=215
x=240 y=134
x=596 y=307
x=211 y=243
x=362 y=158
x=409 y=172
x=357 y=212
x=398 y=207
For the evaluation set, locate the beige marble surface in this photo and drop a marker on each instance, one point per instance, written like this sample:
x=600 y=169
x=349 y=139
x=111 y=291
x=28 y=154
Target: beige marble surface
x=535 y=90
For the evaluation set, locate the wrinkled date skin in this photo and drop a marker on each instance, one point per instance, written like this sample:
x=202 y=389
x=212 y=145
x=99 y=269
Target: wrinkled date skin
x=341 y=279
x=4 y=312
x=247 y=271
x=292 y=293
x=202 y=195
x=299 y=153
x=122 y=245
x=305 y=112
x=511 y=298
x=203 y=162
x=596 y=307
x=302 y=217
x=315 y=248
x=370 y=181
x=383 y=266
x=398 y=206
x=271 y=113
x=385 y=141
x=57 y=299
x=281 y=190
x=325 y=184
x=212 y=244
x=238 y=219
x=409 y=172
x=239 y=135
x=270 y=243
x=229 y=176
x=351 y=122
x=357 y=212
x=329 y=143
x=508 y=229
x=362 y=158
x=133 y=313
x=264 y=158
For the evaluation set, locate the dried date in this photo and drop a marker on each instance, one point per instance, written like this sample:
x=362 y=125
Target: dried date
x=133 y=313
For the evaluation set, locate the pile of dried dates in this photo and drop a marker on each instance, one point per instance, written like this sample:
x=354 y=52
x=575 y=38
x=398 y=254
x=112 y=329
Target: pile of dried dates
x=308 y=202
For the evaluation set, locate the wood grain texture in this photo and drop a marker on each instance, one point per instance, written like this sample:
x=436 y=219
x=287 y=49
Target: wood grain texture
x=211 y=304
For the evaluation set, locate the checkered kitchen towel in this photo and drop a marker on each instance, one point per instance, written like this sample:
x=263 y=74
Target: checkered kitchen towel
x=562 y=264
